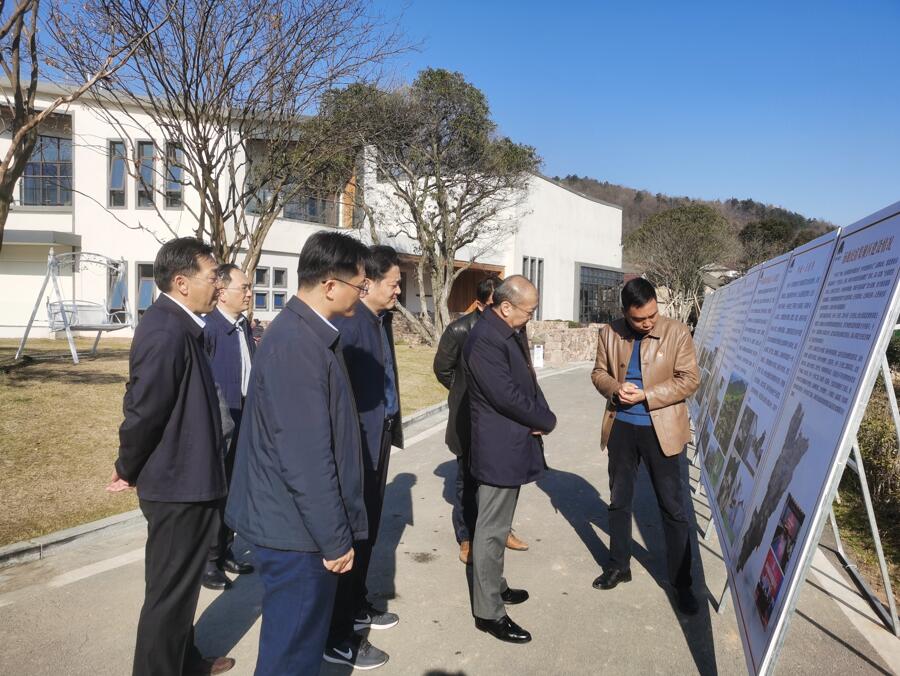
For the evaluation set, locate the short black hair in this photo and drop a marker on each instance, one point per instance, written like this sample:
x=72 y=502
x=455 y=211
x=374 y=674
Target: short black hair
x=223 y=272
x=637 y=292
x=328 y=255
x=380 y=260
x=179 y=257
x=485 y=289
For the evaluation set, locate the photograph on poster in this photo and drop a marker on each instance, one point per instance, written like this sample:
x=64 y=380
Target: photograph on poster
x=748 y=441
x=715 y=397
x=731 y=496
x=731 y=405
x=786 y=532
x=795 y=446
x=714 y=463
x=767 y=588
x=704 y=435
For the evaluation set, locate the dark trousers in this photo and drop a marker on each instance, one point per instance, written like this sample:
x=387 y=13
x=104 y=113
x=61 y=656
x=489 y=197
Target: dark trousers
x=220 y=549
x=298 y=596
x=628 y=445
x=178 y=536
x=465 y=508
x=352 y=590
x=496 y=507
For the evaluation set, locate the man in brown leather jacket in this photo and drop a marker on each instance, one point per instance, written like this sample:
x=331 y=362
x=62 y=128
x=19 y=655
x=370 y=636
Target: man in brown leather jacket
x=646 y=368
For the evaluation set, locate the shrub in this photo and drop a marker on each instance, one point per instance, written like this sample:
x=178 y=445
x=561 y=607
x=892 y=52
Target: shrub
x=878 y=445
x=893 y=351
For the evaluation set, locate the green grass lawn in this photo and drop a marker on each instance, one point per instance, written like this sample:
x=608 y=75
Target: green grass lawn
x=59 y=430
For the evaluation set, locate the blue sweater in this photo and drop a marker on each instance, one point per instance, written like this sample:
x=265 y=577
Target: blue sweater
x=635 y=414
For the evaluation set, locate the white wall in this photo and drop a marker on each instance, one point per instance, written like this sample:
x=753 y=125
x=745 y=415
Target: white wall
x=565 y=229
x=554 y=224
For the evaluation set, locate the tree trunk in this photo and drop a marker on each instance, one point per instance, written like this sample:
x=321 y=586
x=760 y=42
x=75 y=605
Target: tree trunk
x=4 y=214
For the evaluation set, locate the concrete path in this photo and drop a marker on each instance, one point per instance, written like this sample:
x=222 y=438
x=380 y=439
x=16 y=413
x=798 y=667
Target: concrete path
x=76 y=612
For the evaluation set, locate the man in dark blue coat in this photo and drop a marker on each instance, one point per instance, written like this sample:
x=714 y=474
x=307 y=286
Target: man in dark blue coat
x=368 y=346
x=509 y=416
x=230 y=346
x=297 y=492
x=171 y=449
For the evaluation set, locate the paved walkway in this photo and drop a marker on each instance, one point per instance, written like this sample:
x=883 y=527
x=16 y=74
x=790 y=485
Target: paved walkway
x=75 y=612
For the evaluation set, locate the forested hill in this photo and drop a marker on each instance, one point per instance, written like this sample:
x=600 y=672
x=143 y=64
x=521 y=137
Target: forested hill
x=639 y=205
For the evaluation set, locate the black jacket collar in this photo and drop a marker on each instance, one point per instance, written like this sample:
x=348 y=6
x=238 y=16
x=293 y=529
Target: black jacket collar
x=163 y=302
x=498 y=324
x=323 y=332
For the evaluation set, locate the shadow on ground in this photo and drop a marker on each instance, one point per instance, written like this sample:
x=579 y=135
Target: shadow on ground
x=585 y=510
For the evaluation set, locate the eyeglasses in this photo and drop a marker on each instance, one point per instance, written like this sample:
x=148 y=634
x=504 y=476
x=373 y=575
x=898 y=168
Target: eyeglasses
x=209 y=280
x=243 y=288
x=528 y=313
x=362 y=288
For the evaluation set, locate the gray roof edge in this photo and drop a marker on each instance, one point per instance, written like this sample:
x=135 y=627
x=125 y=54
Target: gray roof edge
x=48 y=237
x=575 y=192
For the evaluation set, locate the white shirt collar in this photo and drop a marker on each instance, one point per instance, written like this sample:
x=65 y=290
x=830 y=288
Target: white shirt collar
x=323 y=318
x=197 y=319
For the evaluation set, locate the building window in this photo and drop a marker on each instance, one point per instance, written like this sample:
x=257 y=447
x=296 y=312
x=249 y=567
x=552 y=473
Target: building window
x=174 y=175
x=117 y=292
x=117 y=173
x=146 y=288
x=599 y=295
x=261 y=277
x=312 y=210
x=267 y=282
x=533 y=269
x=146 y=169
x=47 y=180
x=279 y=278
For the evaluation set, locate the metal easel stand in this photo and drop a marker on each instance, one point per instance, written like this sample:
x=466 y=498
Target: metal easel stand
x=887 y=614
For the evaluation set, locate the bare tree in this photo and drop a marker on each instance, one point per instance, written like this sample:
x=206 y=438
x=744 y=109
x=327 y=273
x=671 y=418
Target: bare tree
x=443 y=178
x=672 y=247
x=232 y=87
x=24 y=58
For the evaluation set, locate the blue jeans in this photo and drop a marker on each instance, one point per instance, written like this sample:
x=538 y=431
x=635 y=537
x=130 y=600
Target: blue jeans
x=297 y=603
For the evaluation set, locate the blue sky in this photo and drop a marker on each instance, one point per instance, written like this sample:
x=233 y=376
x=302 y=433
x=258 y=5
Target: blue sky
x=795 y=104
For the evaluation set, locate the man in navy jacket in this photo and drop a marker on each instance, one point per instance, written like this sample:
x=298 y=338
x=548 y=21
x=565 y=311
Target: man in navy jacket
x=509 y=416
x=297 y=491
x=230 y=346
x=368 y=346
x=171 y=449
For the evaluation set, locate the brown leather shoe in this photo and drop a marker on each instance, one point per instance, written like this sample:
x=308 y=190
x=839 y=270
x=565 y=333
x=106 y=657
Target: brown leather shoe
x=465 y=552
x=211 y=665
x=512 y=542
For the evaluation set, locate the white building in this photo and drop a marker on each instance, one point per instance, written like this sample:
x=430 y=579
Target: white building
x=76 y=195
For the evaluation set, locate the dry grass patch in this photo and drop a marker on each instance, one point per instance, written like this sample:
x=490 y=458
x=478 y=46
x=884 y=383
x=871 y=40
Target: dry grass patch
x=59 y=430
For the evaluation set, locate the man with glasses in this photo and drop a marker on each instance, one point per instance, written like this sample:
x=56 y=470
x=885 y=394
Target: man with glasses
x=297 y=491
x=171 y=450
x=368 y=347
x=509 y=417
x=230 y=346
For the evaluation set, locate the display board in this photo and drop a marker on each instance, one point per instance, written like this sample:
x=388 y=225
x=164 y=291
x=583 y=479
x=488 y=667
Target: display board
x=810 y=369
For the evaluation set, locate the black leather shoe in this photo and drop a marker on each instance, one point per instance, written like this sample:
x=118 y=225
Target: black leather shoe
x=504 y=629
x=611 y=577
x=513 y=596
x=687 y=602
x=237 y=567
x=215 y=579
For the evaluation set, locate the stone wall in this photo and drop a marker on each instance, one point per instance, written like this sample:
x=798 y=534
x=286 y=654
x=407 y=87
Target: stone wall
x=564 y=342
